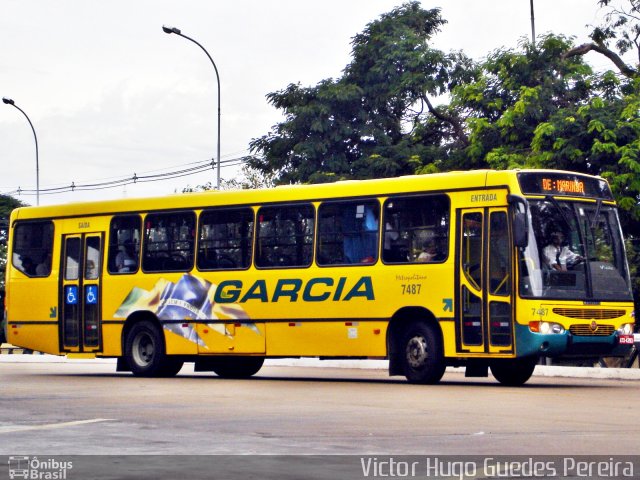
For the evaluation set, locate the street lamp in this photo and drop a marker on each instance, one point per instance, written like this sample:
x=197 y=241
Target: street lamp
x=8 y=101
x=170 y=30
x=533 y=26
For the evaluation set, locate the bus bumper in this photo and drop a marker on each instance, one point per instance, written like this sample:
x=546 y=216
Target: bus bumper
x=567 y=345
x=609 y=346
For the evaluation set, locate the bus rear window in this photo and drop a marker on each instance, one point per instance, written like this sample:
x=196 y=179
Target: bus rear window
x=32 y=247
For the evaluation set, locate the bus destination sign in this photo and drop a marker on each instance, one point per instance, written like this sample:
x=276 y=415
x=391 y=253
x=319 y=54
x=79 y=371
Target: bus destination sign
x=562 y=186
x=549 y=183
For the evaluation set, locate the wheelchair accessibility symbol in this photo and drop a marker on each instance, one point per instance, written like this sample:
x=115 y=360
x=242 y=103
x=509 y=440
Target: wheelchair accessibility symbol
x=71 y=294
x=91 y=294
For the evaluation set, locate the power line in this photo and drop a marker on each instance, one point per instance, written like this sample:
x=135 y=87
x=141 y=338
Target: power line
x=198 y=167
x=237 y=155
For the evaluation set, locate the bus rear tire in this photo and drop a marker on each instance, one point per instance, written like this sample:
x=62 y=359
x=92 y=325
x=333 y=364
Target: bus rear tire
x=237 y=367
x=171 y=367
x=145 y=352
x=422 y=356
x=513 y=372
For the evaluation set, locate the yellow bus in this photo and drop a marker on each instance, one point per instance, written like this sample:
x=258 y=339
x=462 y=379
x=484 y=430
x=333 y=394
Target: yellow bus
x=484 y=269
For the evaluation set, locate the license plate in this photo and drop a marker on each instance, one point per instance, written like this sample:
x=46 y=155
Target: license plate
x=626 y=339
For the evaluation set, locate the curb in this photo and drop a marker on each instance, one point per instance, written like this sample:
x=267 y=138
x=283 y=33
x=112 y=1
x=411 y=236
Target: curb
x=8 y=349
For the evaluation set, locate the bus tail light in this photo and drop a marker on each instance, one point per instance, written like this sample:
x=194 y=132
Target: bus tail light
x=545 y=327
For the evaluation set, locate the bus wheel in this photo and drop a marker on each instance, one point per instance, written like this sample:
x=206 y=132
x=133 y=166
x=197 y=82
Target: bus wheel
x=171 y=367
x=237 y=367
x=513 y=372
x=422 y=354
x=145 y=354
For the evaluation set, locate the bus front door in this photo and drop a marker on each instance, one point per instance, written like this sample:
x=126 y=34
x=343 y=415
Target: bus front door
x=484 y=317
x=80 y=293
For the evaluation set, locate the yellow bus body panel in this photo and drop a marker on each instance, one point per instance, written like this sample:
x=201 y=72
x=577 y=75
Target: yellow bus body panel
x=324 y=311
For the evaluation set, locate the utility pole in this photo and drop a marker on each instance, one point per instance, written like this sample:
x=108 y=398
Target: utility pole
x=533 y=25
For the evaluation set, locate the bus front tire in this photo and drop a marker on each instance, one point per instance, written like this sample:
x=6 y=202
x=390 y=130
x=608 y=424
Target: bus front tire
x=422 y=354
x=514 y=371
x=236 y=367
x=145 y=352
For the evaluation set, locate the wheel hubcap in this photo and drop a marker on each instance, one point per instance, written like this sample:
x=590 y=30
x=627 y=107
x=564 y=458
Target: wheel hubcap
x=143 y=349
x=417 y=351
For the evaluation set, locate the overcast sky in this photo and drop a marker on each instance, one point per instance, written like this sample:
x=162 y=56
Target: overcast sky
x=111 y=95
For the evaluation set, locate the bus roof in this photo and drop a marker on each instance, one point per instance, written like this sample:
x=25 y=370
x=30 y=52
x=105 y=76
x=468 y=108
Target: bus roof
x=448 y=181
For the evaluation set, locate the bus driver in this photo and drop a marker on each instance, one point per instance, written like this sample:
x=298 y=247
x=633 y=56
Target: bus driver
x=559 y=256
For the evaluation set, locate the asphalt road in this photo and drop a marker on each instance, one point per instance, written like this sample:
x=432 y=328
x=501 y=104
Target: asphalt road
x=85 y=408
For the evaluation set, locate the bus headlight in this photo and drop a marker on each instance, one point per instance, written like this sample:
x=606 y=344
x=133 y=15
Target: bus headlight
x=626 y=329
x=546 y=328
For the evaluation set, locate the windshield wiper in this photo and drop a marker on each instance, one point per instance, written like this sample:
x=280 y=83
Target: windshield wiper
x=556 y=204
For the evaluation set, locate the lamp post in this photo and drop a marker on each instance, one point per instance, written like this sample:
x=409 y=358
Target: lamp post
x=9 y=101
x=533 y=26
x=170 y=30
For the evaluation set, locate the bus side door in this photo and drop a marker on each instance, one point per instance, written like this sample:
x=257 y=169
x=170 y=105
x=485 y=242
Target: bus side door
x=484 y=313
x=80 y=293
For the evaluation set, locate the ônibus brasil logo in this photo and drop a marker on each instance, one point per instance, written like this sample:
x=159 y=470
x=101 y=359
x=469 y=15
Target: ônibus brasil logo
x=32 y=468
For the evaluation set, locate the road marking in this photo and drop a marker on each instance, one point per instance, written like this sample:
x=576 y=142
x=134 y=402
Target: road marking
x=49 y=426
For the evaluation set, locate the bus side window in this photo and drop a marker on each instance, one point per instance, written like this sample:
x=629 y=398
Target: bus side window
x=348 y=232
x=225 y=239
x=124 y=244
x=416 y=229
x=169 y=242
x=285 y=236
x=32 y=247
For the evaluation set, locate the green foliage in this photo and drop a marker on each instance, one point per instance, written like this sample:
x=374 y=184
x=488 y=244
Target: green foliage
x=633 y=256
x=248 y=178
x=364 y=124
x=620 y=26
x=3 y=263
x=7 y=204
x=511 y=105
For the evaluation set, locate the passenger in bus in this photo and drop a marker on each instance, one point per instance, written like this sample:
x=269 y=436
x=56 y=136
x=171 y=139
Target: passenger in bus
x=361 y=236
x=44 y=267
x=126 y=260
x=91 y=272
x=27 y=266
x=369 y=235
x=558 y=256
x=392 y=252
x=429 y=252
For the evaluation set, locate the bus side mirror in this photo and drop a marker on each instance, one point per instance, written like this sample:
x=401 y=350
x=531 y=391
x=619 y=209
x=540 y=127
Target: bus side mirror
x=520 y=231
x=520 y=220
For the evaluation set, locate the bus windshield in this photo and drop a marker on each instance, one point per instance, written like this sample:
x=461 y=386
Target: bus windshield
x=575 y=251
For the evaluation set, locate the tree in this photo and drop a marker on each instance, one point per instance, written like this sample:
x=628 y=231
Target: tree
x=7 y=204
x=617 y=121
x=621 y=27
x=509 y=95
x=361 y=125
x=249 y=178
